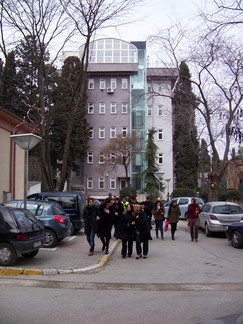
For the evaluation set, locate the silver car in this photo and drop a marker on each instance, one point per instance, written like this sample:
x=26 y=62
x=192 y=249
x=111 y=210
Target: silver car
x=183 y=203
x=216 y=216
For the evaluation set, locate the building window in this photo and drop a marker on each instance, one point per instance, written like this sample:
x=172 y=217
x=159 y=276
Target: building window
x=123 y=183
x=160 y=158
x=124 y=131
x=89 y=183
x=113 y=83
x=149 y=110
x=101 y=158
x=91 y=132
x=102 y=84
x=90 y=158
x=91 y=84
x=124 y=107
x=90 y=108
x=102 y=108
x=160 y=110
x=160 y=134
x=112 y=183
x=124 y=83
x=102 y=132
x=113 y=108
x=112 y=158
x=160 y=87
x=112 y=132
x=150 y=87
x=101 y=183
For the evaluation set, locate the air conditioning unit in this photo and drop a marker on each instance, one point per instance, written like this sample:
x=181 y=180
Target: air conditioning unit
x=109 y=90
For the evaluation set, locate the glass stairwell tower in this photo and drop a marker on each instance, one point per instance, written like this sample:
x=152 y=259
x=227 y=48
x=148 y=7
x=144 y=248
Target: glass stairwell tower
x=138 y=118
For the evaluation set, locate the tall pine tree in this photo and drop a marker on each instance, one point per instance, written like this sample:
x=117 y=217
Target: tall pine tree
x=67 y=91
x=151 y=182
x=185 y=142
x=9 y=94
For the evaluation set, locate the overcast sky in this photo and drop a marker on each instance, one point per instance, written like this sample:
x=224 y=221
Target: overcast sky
x=160 y=14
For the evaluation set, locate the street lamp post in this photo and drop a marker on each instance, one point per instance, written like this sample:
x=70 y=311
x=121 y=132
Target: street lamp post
x=168 y=188
x=26 y=142
x=159 y=177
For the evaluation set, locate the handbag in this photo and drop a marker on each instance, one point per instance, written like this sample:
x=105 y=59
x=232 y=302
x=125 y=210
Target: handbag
x=167 y=222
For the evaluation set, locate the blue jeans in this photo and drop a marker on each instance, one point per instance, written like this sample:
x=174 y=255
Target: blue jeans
x=91 y=240
x=159 y=227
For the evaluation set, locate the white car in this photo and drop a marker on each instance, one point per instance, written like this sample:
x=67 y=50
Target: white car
x=216 y=216
x=183 y=203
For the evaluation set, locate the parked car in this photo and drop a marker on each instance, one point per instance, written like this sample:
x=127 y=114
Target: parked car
x=56 y=222
x=72 y=202
x=183 y=203
x=216 y=216
x=234 y=234
x=21 y=234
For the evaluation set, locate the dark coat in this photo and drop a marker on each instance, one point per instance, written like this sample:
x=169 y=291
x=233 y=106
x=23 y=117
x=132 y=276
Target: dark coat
x=142 y=226
x=106 y=221
x=118 y=210
x=159 y=213
x=174 y=213
x=126 y=227
x=148 y=207
x=89 y=216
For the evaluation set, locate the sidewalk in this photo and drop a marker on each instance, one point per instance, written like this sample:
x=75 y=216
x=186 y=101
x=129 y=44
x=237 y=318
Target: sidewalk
x=70 y=256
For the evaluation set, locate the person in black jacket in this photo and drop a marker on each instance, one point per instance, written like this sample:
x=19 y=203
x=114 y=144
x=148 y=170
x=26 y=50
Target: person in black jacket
x=126 y=231
x=105 y=223
x=118 y=210
x=90 y=217
x=148 y=208
x=142 y=234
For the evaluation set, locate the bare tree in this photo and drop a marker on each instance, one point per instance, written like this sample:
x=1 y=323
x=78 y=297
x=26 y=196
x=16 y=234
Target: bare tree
x=219 y=84
x=118 y=152
x=40 y=24
x=46 y=21
x=216 y=66
x=223 y=16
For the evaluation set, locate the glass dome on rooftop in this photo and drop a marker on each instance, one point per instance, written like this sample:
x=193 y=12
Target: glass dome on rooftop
x=111 y=50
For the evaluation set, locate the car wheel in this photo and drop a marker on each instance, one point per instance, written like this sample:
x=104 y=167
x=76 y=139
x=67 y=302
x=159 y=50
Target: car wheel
x=208 y=233
x=186 y=214
x=51 y=239
x=236 y=240
x=72 y=230
x=8 y=255
x=30 y=254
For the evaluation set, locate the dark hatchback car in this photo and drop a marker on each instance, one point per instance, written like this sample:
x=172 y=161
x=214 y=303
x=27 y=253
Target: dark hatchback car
x=73 y=203
x=56 y=222
x=234 y=234
x=21 y=234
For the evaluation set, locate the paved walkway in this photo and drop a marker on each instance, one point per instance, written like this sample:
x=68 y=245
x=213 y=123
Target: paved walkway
x=70 y=256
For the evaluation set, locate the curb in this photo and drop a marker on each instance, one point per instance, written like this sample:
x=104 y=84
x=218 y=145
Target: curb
x=39 y=272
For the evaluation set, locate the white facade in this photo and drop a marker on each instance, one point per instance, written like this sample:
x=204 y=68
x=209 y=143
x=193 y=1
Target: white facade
x=124 y=97
x=160 y=83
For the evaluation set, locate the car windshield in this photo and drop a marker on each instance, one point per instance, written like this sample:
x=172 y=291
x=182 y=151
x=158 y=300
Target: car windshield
x=63 y=201
x=227 y=209
x=26 y=220
x=58 y=210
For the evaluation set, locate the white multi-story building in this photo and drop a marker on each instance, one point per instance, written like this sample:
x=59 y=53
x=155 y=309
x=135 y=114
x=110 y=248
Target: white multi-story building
x=125 y=97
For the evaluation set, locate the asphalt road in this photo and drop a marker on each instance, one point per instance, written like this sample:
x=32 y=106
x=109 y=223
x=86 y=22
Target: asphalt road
x=180 y=282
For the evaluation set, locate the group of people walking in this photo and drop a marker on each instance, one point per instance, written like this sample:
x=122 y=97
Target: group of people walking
x=132 y=223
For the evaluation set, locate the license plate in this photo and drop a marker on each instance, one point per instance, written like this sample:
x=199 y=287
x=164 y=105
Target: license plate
x=36 y=244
